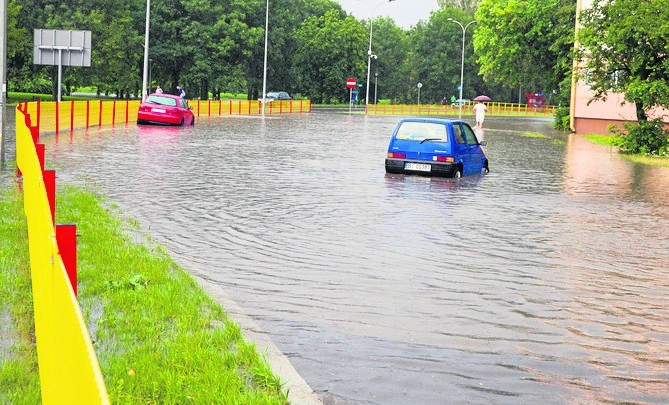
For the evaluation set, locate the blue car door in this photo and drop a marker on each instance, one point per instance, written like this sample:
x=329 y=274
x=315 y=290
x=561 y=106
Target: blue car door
x=474 y=160
x=460 y=147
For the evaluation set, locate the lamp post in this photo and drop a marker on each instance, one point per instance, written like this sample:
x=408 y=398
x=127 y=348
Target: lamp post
x=146 y=51
x=264 y=69
x=150 y=82
x=462 y=65
x=369 y=51
x=376 y=84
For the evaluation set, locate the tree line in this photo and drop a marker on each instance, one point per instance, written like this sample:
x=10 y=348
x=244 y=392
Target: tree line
x=215 y=47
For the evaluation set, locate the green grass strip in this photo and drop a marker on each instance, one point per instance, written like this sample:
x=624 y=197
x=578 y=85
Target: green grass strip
x=605 y=140
x=158 y=336
x=19 y=378
x=647 y=160
x=533 y=135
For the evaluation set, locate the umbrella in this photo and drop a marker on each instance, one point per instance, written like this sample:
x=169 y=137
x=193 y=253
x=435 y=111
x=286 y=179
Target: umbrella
x=482 y=98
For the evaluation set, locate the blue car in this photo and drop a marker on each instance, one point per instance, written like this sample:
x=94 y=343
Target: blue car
x=435 y=147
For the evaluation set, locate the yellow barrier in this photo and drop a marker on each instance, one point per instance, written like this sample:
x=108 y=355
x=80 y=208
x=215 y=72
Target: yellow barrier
x=494 y=109
x=68 y=368
x=52 y=116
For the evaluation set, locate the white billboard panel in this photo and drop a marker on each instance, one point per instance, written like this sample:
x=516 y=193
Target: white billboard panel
x=72 y=47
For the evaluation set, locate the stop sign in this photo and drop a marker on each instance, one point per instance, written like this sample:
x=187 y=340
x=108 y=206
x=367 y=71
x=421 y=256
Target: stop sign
x=350 y=83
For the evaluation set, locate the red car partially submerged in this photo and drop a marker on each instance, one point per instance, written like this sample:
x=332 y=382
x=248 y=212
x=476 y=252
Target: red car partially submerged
x=165 y=109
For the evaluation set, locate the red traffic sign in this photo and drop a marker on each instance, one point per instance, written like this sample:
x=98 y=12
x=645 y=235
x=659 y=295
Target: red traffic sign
x=351 y=83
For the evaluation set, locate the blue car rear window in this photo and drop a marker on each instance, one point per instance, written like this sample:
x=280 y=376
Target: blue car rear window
x=418 y=131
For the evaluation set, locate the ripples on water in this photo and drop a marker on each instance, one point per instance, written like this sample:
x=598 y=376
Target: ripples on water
x=542 y=282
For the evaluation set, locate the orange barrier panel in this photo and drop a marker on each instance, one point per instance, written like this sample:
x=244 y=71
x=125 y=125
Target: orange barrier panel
x=68 y=368
x=53 y=116
x=494 y=109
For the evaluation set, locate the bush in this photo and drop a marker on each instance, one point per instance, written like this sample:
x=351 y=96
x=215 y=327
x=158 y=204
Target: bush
x=562 y=119
x=645 y=137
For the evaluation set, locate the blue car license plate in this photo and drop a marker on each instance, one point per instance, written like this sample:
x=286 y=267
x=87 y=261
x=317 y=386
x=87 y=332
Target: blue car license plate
x=421 y=167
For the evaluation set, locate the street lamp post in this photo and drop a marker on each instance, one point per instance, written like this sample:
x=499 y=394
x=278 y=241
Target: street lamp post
x=150 y=82
x=462 y=65
x=264 y=69
x=146 y=51
x=376 y=85
x=369 y=51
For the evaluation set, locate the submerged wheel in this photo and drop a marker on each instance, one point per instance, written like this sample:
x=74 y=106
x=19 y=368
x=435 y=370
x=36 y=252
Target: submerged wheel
x=485 y=170
x=192 y=122
x=182 y=122
x=457 y=173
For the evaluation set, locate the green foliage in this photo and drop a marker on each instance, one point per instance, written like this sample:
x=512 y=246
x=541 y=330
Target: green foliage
x=527 y=43
x=624 y=49
x=331 y=49
x=562 y=117
x=644 y=137
x=19 y=378
x=212 y=47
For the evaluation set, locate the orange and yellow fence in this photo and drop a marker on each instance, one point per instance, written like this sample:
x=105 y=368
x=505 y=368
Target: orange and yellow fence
x=493 y=109
x=68 y=367
x=54 y=116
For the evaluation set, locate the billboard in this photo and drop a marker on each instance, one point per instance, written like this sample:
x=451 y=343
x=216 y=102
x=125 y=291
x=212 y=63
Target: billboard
x=62 y=47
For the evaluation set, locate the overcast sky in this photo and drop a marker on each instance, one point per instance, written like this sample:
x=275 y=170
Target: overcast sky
x=405 y=12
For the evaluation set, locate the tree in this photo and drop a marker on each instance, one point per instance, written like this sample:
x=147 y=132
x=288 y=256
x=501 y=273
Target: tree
x=526 y=43
x=625 y=49
x=392 y=46
x=331 y=49
x=469 y=5
x=437 y=57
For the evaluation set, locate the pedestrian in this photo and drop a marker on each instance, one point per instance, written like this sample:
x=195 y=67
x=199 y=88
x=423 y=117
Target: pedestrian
x=480 y=109
x=443 y=101
x=159 y=90
x=181 y=92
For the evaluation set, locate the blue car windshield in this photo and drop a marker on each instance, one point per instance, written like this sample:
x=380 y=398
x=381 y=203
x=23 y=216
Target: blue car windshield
x=420 y=131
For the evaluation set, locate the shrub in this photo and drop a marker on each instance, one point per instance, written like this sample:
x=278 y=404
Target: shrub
x=562 y=119
x=645 y=137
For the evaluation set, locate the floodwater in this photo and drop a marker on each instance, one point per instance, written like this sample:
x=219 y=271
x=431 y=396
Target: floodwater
x=545 y=281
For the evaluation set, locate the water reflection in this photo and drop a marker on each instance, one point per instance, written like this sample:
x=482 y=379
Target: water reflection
x=543 y=281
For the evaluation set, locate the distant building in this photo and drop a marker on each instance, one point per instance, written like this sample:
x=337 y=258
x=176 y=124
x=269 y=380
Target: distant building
x=596 y=117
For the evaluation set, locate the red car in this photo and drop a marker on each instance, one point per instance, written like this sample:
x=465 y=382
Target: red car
x=165 y=109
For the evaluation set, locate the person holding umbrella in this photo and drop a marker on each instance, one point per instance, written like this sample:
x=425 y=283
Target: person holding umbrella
x=480 y=109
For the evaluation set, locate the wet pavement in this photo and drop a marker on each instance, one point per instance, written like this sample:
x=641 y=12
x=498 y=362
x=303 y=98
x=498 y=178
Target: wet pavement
x=544 y=281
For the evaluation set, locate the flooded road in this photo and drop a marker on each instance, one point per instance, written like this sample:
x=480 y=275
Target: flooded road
x=544 y=282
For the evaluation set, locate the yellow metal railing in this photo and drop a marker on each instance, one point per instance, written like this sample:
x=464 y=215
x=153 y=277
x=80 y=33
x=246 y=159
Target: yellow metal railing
x=53 y=116
x=493 y=109
x=68 y=367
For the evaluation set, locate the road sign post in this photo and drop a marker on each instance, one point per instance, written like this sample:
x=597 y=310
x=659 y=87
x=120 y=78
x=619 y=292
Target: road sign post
x=350 y=83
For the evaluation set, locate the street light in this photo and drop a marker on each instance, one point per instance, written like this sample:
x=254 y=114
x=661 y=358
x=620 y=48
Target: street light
x=462 y=65
x=369 y=51
x=376 y=84
x=150 y=82
x=264 y=69
x=146 y=51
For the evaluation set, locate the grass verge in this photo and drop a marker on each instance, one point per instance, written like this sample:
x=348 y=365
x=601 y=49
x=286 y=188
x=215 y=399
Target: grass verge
x=19 y=379
x=647 y=160
x=533 y=135
x=604 y=140
x=609 y=140
x=158 y=336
